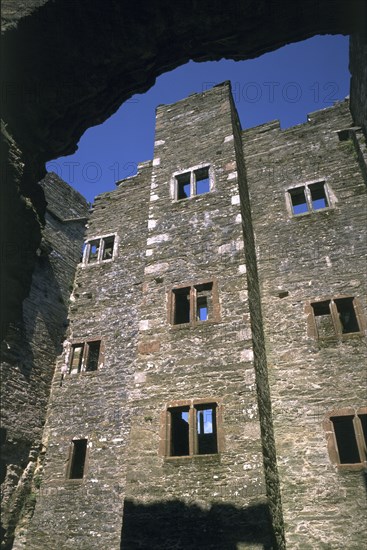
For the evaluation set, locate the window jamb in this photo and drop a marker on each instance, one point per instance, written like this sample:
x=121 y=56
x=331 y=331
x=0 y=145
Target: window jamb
x=307 y=193
x=192 y=431
x=335 y=318
x=359 y=437
x=193 y=184
x=193 y=310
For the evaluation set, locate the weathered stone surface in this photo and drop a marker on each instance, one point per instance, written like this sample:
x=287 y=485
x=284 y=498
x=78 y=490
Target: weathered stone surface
x=31 y=346
x=66 y=68
x=203 y=241
x=275 y=384
x=104 y=304
x=149 y=363
x=307 y=258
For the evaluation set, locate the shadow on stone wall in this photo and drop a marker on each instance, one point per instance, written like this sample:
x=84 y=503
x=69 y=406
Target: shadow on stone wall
x=174 y=525
x=29 y=355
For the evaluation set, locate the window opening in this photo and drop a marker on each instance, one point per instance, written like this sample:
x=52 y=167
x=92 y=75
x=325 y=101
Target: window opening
x=308 y=198
x=108 y=248
x=347 y=315
x=335 y=317
x=193 y=430
x=299 y=204
x=181 y=305
x=202 y=308
x=99 y=250
x=78 y=454
x=180 y=431
x=76 y=357
x=85 y=356
x=318 y=196
x=344 y=135
x=206 y=430
x=346 y=439
x=183 y=186
x=194 y=182
x=204 y=305
x=192 y=304
x=202 y=181
x=324 y=321
x=93 y=355
x=93 y=251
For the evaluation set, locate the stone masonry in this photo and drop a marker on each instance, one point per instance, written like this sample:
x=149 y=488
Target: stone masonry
x=303 y=259
x=31 y=347
x=199 y=283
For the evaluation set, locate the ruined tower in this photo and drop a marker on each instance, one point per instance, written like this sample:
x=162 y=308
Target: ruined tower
x=213 y=367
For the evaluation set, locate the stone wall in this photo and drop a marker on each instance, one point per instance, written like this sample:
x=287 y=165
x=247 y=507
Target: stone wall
x=257 y=357
x=51 y=93
x=216 y=500
x=31 y=346
x=104 y=304
x=213 y=500
x=302 y=259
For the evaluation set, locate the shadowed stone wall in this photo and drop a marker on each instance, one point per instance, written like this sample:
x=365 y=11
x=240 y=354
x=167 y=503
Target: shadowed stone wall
x=32 y=344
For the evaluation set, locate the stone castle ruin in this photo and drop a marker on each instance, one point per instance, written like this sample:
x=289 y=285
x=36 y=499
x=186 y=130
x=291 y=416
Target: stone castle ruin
x=210 y=391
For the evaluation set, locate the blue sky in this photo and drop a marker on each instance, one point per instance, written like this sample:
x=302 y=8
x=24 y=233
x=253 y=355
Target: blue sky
x=285 y=84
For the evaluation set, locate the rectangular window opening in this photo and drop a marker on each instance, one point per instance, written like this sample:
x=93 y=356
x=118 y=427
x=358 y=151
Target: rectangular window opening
x=180 y=431
x=318 y=196
x=347 y=315
x=183 y=186
x=202 y=311
x=108 y=244
x=78 y=454
x=93 y=355
x=323 y=319
x=346 y=439
x=298 y=198
x=181 y=306
x=204 y=302
x=76 y=357
x=344 y=135
x=93 y=251
x=206 y=430
x=202 y=181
